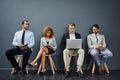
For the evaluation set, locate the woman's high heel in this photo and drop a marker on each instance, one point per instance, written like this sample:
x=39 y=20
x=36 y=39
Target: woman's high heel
x=30 y=65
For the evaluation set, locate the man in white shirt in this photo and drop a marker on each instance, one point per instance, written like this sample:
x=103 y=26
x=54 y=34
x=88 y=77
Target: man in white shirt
x=97 y=45
x=23 y=42
x=67 y=53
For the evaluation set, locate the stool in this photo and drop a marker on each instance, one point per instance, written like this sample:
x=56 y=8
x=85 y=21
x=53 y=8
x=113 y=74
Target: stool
x=19 y=60
x=104 y=66
x=51 y=63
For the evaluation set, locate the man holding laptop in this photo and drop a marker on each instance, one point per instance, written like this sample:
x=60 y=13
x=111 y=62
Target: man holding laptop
x=71 y=44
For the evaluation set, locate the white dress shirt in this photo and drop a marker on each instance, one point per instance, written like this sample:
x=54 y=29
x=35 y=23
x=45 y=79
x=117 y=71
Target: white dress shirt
x=29 y=38
x=72 y=36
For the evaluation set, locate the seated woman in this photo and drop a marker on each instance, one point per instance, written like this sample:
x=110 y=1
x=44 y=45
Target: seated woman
x=47 y=46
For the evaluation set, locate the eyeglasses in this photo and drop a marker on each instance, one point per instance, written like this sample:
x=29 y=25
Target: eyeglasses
x=94 y=29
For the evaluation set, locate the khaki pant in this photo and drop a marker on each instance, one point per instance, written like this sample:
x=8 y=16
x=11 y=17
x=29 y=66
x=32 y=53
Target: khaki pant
x=67 y=53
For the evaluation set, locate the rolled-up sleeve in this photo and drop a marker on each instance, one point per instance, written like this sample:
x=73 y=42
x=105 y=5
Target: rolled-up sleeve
x=41 y=42
x=55 y=44
x=32 y=41
x=15 y=40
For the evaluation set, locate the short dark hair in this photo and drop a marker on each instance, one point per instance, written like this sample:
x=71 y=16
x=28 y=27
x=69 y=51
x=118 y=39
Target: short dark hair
x=96 y=26
x=24 y=21
x=72 y=24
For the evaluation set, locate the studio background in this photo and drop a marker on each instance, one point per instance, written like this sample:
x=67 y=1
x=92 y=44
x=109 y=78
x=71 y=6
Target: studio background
x=58 y=13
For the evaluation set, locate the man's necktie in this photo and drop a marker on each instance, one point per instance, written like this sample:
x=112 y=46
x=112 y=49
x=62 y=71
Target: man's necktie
x=23 y=37
x=96 y=38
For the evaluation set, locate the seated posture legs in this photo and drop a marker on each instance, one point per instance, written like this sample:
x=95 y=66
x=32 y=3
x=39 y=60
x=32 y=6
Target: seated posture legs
x=67 y=58
x=41 y=54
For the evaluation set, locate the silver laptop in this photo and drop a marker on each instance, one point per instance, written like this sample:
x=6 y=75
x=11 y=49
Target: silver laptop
x=74 y=43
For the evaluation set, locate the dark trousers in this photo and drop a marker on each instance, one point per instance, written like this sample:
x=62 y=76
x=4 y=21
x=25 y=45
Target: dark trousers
x=17 y=51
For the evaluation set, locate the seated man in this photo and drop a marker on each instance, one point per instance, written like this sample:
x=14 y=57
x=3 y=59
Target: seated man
x=67 y=53
x=23 y=42
x=97 y=45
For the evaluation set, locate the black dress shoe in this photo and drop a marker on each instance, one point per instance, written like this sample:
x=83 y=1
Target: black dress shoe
x=24 y=72
x=67 y=74
x=16 y=70
x=80 y=75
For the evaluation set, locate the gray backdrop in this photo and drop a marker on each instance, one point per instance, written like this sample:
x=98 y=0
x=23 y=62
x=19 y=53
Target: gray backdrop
x=58 y=13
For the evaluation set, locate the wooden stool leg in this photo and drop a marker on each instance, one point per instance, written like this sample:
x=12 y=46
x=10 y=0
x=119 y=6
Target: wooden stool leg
x=20 y=61
x=91 y=61
x=39 y=69
x=93 y=69
x=27 y=67
x=106 y=68
x=81 y=71
x=102 y=66
x=51 y=64
x=12 y=70
x=26 y=70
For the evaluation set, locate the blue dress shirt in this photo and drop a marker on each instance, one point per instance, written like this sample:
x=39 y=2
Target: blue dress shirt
x=29 y=38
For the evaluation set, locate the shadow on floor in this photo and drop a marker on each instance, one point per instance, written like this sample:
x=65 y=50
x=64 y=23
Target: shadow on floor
x=6 y=75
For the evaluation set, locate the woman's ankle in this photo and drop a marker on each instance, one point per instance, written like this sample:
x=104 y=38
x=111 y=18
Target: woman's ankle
x=42 y=70
x=31 y=64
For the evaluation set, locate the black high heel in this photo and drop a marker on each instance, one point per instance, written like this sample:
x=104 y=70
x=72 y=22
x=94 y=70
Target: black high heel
x=30 y=65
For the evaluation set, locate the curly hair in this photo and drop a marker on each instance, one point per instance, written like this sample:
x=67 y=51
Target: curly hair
x=48 y=28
